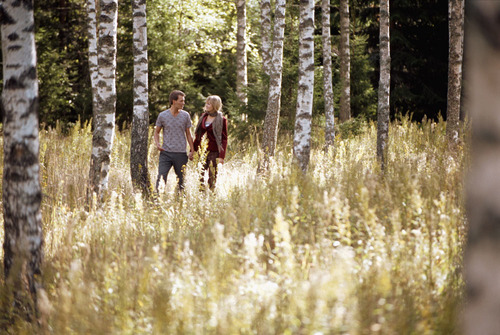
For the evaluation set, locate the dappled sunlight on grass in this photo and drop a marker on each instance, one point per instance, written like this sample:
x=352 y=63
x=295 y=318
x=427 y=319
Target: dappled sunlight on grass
x=343 y=249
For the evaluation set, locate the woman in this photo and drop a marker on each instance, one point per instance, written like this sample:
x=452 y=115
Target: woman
x=214 y=124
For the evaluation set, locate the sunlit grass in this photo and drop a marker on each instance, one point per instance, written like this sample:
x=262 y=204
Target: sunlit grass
x=344 y=249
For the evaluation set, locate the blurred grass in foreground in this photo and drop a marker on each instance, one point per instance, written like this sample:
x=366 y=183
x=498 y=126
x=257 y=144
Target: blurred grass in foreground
x=342 y=250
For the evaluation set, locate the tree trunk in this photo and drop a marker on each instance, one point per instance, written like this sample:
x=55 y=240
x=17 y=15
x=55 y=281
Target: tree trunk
x=345 y=63
x=482 y=264
x=456 y=36
x=104 y=119
x=22 y=195
x=241 y=52
x=327 y=75
x=384 y=85
x=305 y=92
x=140 y=122
x=265 y=33
x=92 y=36
x=274 y=100
x=63 y=23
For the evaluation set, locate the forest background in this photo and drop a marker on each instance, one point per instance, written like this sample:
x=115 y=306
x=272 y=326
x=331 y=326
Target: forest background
x=192 y=47
x=341 y=249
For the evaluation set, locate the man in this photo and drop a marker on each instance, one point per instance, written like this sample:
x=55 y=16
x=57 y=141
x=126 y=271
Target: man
x=176 y=124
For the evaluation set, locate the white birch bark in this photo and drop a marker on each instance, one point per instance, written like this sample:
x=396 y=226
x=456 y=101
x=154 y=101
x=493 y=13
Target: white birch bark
x=455 y=58
x=22 y=195
x=265 y=35
x=345 y=63
x=481 y=261
x=327 y=75
x=241 y=52
x=140 y=122
x=305 y=92
x=274 y=99
x=92 y=36
x=384 y=86
x=104 y=119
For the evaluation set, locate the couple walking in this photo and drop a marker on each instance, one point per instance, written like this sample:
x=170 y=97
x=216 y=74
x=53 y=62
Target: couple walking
x=176 y=125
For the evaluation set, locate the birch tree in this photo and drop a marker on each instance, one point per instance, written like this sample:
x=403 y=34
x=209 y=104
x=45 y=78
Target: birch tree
x=140 y=122
x=384 y=86
x=265 y=35
x=274 y=99
x=455 y=57
x=345 y=63
x=104 y=116
x=22 y=194
x=481 y=261
x=327 y=75
x=92 y=37
x=302 y=135
x=241 y=52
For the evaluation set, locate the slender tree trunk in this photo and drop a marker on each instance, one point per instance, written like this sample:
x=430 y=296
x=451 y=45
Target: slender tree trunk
x=274 y=100
x=327 y=75
x=104 y=119
x=241 y=52
x=481 y=261
x=456 y=36
x=63 y=23
x=305 y=92
x=140 y=122
x=265 y=35
x=92 y=36
x=345 y=63
x=384 y=85
x=22 y=194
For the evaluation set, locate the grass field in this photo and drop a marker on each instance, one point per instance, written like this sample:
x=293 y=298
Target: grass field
x=344 y=249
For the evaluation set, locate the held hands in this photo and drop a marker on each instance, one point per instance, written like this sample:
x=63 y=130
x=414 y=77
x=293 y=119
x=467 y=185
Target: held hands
x=159 y=147
x=220 y=160
x=190 y=155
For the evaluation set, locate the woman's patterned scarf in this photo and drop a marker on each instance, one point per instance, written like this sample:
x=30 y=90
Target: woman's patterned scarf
x=217 y=124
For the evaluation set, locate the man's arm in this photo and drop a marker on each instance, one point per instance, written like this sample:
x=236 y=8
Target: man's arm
x=190 y=141
x=157 y=138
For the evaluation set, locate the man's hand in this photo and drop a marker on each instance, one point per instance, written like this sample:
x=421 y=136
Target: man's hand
x=220 y=160
x=156 y=137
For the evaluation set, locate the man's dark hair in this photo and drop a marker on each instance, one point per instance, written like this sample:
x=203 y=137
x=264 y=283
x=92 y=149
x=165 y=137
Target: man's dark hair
x=175 y=95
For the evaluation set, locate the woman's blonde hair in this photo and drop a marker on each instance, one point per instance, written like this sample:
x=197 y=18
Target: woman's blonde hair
x=216 y=102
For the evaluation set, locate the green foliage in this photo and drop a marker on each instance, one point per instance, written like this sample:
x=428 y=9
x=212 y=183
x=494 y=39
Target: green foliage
x=351 y=128
x=343 y=249
x=191 y=45
x=57 y=101
x=62 y=61
x=192 y=48
x=290 y=76
x=363 y=94
x=124 y=65
x=168 y=63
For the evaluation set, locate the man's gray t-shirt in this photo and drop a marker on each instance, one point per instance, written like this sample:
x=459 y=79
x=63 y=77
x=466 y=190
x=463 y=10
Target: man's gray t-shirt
x=174 y=130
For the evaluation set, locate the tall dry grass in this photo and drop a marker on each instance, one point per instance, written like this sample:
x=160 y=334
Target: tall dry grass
x=344 y=249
